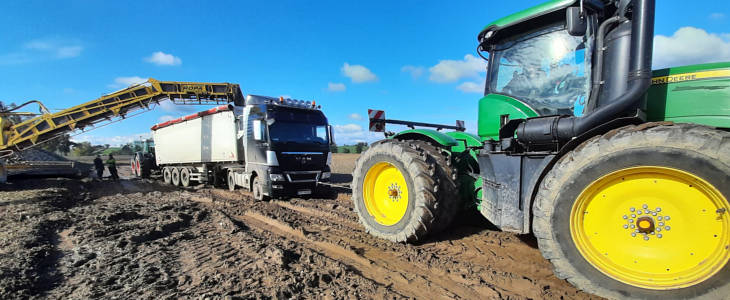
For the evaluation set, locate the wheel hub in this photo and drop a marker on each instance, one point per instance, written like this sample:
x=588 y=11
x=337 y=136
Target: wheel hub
x=646 y=222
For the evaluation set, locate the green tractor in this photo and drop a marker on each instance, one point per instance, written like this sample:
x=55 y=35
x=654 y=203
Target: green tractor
x=620 y=172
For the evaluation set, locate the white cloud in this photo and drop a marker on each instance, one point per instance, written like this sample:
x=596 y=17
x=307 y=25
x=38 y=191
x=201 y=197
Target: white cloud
x=55 y=47
x=355 y=116
x=717 y=16
x=163 y=59
x=415 y=71
x=336 y=87
x=123 y=82
x=117 y=140
x=165 y=118
x=690 y=45
x=471 y=87
x=350 y=134
x=42 y=50
x=170 y=107
x=452 y=70
x=358 y=73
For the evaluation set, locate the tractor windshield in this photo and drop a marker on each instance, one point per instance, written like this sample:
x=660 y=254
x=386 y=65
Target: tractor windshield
x=548 y=69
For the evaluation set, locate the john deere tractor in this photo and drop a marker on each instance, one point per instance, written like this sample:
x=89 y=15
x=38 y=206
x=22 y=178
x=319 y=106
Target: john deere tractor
x=620 y=172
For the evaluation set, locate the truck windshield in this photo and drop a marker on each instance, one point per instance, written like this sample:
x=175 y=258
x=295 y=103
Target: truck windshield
x=284 y=131
x=548 y=69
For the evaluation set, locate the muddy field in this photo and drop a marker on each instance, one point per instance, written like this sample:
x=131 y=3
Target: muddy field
x=79 y=238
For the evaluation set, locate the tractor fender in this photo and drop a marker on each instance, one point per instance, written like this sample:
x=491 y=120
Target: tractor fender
x=427 y=135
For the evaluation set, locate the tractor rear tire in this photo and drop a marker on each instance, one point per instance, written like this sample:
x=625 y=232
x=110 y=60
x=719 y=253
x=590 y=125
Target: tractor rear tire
x=404 y=190
x=175 y=176
x=167 y=175
x=601 y=215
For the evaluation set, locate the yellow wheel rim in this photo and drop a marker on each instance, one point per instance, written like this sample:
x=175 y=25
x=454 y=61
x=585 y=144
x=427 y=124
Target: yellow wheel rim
x=385 y=193
x=652 y=227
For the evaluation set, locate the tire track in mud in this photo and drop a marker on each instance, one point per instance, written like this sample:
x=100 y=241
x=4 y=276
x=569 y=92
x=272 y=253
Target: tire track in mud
x=473 y=266
x=418 y=286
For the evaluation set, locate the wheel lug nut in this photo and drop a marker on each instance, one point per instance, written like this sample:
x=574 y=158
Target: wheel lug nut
x=659 y=235
x=646 y=238
x=633 y=226
x=625 y=217
x=633 y=215
x=658 y=209
x=638 y=212
x=632 y=209
x=645 y=206
x=661 y=223
x=667 y=228
x=658 y=229
x=646 y=211
x=666 y=218
x=633 y=234
x=626 y=226
x=653 y=214
x=660 y=218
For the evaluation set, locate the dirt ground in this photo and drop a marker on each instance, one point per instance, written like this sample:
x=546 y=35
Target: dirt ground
x=79 y=238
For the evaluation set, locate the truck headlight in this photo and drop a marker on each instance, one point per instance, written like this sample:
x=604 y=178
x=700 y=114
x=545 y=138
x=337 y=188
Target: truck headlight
x=276 y=177
x=326 y=175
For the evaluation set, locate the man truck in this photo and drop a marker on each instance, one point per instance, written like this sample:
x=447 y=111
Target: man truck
x=620 y=171
x=272 y=147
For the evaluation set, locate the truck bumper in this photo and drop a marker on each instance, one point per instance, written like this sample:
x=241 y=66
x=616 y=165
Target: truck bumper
x=293 y=184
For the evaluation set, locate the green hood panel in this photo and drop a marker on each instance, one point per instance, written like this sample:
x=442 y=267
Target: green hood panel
x=691 y=94
x=492 y=107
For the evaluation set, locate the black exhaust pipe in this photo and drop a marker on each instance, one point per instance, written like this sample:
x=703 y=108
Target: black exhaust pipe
x=556 y=129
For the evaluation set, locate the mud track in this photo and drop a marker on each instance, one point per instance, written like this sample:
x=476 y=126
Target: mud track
x=63 y=238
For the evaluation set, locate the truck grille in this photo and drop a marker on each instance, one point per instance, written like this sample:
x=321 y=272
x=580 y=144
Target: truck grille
x=303 y=176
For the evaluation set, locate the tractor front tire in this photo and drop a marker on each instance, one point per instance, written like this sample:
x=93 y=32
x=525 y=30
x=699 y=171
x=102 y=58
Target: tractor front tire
x=641 y=212
x=404 y=190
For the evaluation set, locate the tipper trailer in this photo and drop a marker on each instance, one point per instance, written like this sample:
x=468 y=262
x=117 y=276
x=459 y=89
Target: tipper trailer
x=272 y=147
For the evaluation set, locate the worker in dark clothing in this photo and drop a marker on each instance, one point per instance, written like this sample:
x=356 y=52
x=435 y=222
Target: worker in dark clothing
x=99 y=166
x=111 y=164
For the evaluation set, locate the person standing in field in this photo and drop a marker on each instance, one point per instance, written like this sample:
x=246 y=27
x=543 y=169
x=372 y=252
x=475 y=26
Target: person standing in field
x=99 y=166
x=111 y=164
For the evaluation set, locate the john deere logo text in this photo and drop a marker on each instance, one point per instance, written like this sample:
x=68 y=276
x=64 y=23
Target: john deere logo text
x=191 y=88
x=691 y=76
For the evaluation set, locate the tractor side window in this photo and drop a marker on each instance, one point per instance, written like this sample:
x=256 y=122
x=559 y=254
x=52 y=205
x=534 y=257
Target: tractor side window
x=548 y=69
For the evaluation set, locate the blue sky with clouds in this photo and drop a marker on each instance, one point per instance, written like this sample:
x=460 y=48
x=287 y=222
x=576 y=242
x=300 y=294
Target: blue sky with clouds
x=414 y=59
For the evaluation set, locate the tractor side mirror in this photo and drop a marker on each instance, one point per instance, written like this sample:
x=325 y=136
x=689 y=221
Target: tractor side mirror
x=575 y=22
x=258 y=130
x=330 y=134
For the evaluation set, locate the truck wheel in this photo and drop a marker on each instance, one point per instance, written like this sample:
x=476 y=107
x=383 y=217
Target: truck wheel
x=258 y=189
x=166 y=175
x=404 y=190
x=641 y=212
x=175 y=176
x=185 y=177
x=231 y=181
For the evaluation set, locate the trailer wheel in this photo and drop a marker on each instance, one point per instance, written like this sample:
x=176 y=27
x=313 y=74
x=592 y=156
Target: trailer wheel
x=258 y=189
x=641 y=212
x=166 y=175
x=175 y=176
x=185 y=177
x=404 y=190
x=231 y=181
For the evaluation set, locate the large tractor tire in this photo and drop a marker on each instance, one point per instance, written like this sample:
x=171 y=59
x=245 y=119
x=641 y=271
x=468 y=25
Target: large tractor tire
x=404 y=190
x=641 y=212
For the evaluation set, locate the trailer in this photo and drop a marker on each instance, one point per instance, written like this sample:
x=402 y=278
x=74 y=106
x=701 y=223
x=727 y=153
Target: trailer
x=272 y=147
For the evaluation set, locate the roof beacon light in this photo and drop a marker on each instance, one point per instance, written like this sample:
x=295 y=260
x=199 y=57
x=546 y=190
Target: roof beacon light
x=281 y=99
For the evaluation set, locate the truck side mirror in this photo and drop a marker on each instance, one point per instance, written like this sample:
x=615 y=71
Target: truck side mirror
x=258 y=130
x=575 y=22
x=330 y=135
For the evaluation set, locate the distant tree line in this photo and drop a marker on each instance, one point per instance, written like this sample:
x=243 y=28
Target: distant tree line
x=356 y=148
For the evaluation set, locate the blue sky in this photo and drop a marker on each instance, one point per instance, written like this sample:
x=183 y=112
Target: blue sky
x=414 y=59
